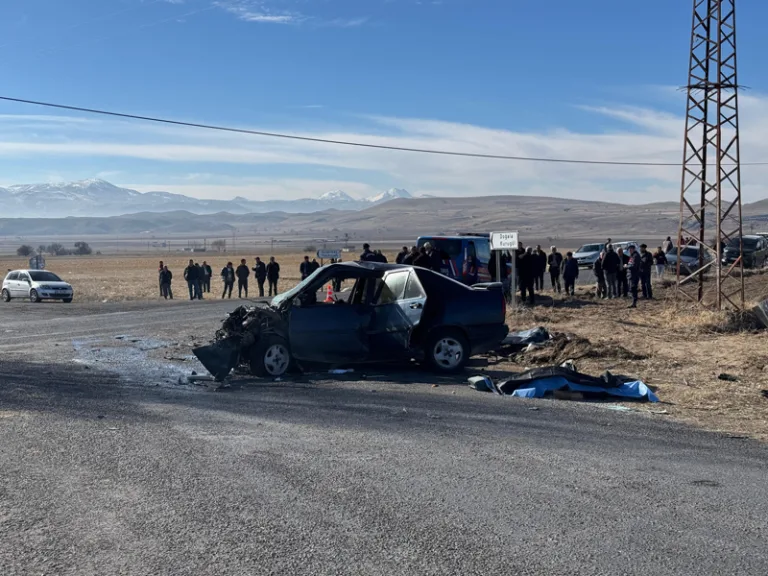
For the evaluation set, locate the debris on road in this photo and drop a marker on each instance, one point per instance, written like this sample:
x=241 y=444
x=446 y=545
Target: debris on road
x=727 y=377
x=339 y=371
x=567 y=383
x=524 y=339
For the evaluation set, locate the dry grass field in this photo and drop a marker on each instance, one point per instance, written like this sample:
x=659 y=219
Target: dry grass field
x=673 y=347
x=115 y=278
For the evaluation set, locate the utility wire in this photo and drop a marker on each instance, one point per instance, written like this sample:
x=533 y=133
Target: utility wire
x=342 y=142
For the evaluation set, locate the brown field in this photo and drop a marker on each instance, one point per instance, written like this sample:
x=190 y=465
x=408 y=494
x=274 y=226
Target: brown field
x=112 y=278
x=671 y=346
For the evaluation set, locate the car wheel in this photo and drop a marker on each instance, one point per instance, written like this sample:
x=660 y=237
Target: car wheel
x=6 y=296
x=67 y=300
x=34 y=296
x=447 y=351
x=270 y=357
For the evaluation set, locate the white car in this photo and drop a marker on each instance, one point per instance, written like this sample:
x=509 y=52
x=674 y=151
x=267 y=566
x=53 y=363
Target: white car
x=36 y=285
x=588 y=254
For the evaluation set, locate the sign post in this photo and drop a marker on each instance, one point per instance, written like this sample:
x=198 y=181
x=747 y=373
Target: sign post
x=329 y=254
x=506 y=241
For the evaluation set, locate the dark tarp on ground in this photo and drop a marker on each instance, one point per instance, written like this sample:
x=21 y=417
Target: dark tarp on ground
x=519 y=340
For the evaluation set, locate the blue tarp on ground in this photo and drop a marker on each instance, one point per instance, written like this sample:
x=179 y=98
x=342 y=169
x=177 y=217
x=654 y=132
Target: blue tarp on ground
x=636 y=390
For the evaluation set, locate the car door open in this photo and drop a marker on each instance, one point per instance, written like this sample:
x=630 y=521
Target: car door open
x=394 y=316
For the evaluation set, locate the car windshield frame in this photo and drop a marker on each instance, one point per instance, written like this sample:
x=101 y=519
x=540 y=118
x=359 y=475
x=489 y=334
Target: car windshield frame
x=51 y=276
x=593 y=248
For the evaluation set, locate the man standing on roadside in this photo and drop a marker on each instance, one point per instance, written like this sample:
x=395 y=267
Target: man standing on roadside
x=621 y=276
x=190 y=275
x=660 y=259
x=570 y=273
x=305 y=268
x=166 y=276
x=411 y=256
x=273 y=275
x=667 y=245
x=527 y=272
x=242 y=274
x=401 y=255
x=555 y=261
x=600 y=275
x=199 y=282
x=634 y=268
x=228 y=277
x=207 y=273
x=160 y=273
x=367 y=255
x=540 y=258
x=260 y=273
x=646 y=269
x=611 y=264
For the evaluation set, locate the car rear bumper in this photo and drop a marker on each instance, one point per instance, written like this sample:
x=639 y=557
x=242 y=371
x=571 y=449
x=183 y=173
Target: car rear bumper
x=486 y=338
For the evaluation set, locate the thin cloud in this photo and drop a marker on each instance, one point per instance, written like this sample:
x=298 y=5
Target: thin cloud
x=251 y=11
x=631 y=134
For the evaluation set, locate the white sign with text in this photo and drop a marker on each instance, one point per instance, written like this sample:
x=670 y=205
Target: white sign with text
x=504 y=241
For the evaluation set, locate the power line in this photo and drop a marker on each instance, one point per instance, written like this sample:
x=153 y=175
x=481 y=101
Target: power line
x=342 y=142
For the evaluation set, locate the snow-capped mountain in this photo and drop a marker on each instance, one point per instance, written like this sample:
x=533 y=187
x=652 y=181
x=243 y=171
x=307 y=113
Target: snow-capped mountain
x=100 y=198
x=391 y=194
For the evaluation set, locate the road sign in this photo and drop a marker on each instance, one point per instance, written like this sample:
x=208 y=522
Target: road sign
x=37 y=262
x=329 y=254
x=503 y=240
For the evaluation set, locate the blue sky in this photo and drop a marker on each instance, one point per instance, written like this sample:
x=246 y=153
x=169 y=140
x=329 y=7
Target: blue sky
x=581 y=79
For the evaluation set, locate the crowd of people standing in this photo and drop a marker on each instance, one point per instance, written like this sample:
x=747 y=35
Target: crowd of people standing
x=198 y=278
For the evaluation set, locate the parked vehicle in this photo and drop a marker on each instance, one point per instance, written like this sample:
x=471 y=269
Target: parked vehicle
x=391 y=313
x=755 y=251
x=625 y=246
x=456 y=252
x=588 y=254
x=689 y=259
x=37 y=285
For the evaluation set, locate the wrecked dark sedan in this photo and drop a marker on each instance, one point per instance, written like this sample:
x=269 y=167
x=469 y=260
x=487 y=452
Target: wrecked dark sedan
x=355 y=313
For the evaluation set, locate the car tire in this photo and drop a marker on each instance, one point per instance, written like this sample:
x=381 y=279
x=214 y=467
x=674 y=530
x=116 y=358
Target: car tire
x=447 y=351
x=67 y=300
x=6 y=295
x=34 y=296
x=270 y=357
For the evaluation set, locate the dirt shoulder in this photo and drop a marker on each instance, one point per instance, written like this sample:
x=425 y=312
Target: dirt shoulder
x=682 y=352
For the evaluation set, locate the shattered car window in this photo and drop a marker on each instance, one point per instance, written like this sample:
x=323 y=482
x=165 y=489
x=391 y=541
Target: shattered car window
x=413 y=289
x=394 y=286
x=293 y=292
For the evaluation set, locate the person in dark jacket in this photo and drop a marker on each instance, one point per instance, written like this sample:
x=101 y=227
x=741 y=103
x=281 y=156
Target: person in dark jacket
x=540 y=257
x=423 y=260
x=228 y=277
x=305 y=268
x=367 y=255
x=199 y=282
x=611 y=265
x=260 y=273
x=600 y=276
x=410 y=258
x=621 y=276
x=527 y=273
x=191 y=276
x=435 y=261
x=315 y=265
x=402 y=255
x=555 y=261
x=206 y=279
x=379 y=257
x=242 y=274
x=166 y=276
x=570 y=273
x=660 y=260
x=273 y=275
x=646 y=269
x=159 y=274
x=634 y=268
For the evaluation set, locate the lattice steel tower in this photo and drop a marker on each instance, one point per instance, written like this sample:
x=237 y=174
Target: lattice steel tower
x=710 y=199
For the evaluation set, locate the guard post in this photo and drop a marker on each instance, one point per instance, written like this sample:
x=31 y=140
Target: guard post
x=506 y=241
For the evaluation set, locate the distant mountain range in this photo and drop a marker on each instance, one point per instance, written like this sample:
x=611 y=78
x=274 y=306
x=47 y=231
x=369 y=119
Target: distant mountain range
x=98 y=198
x=546 y=219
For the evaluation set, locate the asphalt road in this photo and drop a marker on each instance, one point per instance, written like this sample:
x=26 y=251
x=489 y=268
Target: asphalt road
x=108 y=466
